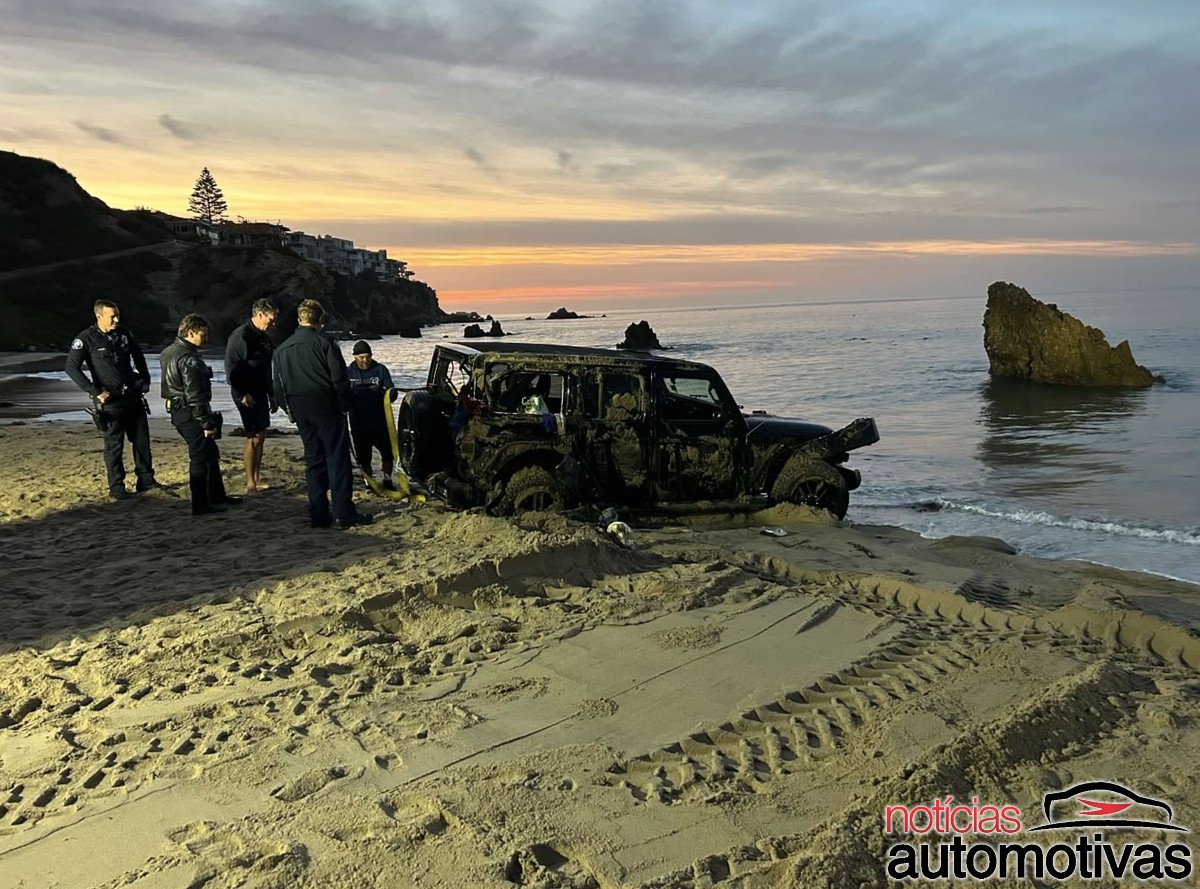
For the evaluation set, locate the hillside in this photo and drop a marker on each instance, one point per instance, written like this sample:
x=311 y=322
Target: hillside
x=46 y=216
x=61 y=249
x=221 y=283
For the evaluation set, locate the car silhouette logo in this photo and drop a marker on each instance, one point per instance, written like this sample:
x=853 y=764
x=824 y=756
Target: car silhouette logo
x=1094 y=813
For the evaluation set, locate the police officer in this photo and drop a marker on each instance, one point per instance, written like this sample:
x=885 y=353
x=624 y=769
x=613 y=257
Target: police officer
x=118 y=380
x=187 y=388
x=312 y=386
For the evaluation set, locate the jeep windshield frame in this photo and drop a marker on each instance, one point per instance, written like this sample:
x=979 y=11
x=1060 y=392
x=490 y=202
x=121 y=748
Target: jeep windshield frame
x=450 y=371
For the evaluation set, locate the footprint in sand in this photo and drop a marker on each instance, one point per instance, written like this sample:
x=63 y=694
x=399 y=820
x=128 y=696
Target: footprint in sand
x=308 y=784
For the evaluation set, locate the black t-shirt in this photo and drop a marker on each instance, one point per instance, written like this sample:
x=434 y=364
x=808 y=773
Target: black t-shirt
x=248 y=362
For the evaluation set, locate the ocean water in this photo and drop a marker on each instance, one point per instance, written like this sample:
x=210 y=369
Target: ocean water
x=1106 y=476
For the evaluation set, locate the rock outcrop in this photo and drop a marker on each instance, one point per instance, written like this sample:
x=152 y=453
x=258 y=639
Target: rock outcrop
x=474 y=330
x=641 y=337
x=460 y=317
x=563 y=314
x=1031 y=340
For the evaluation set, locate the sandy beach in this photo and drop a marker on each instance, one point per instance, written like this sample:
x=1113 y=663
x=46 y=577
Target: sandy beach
x=450 y=699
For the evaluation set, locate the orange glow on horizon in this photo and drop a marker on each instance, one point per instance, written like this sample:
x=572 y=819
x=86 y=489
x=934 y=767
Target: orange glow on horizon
x=643 y=254
x=524 y=283
x=617 y=292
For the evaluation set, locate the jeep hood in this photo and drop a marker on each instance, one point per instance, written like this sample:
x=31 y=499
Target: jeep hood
x=765 y=429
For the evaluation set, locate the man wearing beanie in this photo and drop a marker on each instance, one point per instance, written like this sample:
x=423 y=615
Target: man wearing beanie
x=370 y=384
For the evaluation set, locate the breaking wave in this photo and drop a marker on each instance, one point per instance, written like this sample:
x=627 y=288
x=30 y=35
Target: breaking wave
x=1035 y=517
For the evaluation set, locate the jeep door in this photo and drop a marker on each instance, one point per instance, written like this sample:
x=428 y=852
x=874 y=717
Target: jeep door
x=526 y=421
x=426 y=441
x=615 y=444
x=700 y=436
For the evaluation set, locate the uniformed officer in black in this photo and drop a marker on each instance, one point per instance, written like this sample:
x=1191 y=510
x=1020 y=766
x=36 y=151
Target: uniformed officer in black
x=311 y=384
x=118 y=380
x=187 y=389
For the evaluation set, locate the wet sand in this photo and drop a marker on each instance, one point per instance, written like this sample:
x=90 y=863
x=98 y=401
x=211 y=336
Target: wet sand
x=24 y=396
x=450 y=699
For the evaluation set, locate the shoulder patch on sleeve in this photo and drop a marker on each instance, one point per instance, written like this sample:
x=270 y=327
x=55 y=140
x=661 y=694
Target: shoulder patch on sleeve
x=77 y=343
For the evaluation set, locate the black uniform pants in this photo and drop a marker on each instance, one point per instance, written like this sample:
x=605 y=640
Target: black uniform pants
x=125 y=418
x=327 y=461
x=368 y=436
x=204 y=462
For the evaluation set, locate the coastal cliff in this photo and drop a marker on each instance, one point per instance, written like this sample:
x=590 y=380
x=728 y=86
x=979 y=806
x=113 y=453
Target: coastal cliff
x=61 y=249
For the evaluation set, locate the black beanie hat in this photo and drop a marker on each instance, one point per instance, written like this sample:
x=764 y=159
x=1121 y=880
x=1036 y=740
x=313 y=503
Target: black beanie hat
x=361 y=348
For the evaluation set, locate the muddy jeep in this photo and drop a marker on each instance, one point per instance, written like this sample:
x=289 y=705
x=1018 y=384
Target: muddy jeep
x=518 y=427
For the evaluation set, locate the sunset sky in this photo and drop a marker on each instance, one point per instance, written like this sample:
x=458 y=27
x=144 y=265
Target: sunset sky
x=524 y=153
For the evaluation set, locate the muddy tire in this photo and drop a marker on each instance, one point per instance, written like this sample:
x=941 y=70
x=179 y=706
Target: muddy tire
x=814 y=483
x=532 y=489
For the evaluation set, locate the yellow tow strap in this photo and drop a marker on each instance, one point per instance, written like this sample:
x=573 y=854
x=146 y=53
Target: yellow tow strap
x=402 y=492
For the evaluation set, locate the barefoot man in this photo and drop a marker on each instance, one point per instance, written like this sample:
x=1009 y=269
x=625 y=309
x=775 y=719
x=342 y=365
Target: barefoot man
x=248 y=371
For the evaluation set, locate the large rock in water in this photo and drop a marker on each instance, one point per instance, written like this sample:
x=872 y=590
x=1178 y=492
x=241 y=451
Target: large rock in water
x=1032 y=340
x=640 y=337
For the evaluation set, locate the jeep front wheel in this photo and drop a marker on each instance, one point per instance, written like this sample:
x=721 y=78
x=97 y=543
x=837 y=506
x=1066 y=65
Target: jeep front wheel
x=814 y=483
x=532 y=489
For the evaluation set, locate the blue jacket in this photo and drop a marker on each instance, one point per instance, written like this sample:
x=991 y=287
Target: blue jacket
x=367 y=389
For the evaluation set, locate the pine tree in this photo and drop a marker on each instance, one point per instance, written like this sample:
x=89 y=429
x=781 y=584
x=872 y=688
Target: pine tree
x=207 y=204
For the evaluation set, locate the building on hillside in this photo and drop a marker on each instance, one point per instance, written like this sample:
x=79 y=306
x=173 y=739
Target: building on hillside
x=341 y=256
x=253 y=234
x=189 y=229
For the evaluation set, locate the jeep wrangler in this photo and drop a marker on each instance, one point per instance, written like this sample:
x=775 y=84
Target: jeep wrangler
x=517 y=427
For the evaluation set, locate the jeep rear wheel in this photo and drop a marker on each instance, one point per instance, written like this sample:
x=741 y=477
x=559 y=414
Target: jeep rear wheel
x=814 y=483
x=412 y=457
x=532 y=489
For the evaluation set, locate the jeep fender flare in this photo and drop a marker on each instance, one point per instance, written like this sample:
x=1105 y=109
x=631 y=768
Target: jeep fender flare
x=772 y=464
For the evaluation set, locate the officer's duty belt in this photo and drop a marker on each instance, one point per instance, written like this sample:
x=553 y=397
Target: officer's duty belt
x=176 y=404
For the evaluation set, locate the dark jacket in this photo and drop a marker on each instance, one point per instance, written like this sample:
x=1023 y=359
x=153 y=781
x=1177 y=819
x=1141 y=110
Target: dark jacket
x=114 y=359
x=248 y=362
x=187 y=379
x=367 y=388
x=310 y=376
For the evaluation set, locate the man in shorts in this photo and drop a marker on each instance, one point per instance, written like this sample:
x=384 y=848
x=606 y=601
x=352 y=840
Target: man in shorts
x=248 y=371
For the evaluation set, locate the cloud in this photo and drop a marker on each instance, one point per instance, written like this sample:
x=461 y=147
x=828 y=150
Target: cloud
x=102 y=133
x=566 y=161
x=479 y=159
x=1061 y=209
x=919 y=114
x=763 y=166
x=16 y=135
x=177 y=128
